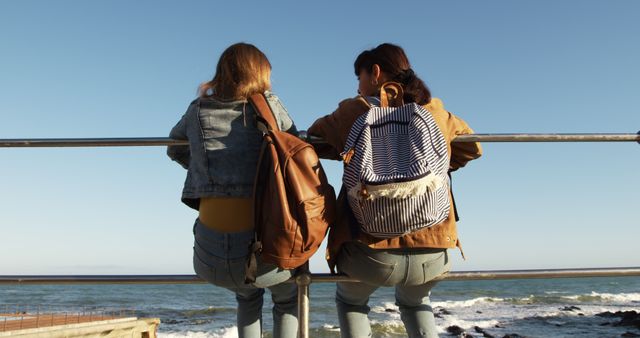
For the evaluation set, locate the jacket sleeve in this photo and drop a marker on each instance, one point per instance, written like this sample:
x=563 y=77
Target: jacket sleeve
x=321 y=128
x=285 y=123
x=180 y=154
x=461 y=152
x=334 y=128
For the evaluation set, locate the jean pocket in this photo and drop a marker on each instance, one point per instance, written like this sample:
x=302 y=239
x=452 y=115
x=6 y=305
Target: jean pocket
x=202 y=269
x=435 y=265
x=217 y=271
x=362 y=266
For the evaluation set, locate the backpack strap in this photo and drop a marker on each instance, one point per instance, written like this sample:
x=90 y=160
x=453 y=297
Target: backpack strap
x=391 y=93
x=255 y=248
x=453 y=200
x=263 y=111
x=264 y=116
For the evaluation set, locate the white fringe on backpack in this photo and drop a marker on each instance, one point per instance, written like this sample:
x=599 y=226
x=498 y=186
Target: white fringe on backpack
x=408 y=189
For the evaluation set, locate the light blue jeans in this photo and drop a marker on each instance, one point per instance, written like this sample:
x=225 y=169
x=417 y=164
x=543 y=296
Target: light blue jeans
x=411 y=271
x=220 y=258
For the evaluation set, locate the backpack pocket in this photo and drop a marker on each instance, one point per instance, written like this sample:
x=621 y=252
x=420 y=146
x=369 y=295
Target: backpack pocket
x=388 y=216
x=316 y=216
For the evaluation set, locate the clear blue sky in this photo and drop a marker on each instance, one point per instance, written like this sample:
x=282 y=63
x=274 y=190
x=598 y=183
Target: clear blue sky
x=129 y=69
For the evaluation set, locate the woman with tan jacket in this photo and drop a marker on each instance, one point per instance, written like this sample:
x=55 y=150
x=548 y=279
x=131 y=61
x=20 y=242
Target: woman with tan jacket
x=409 y=262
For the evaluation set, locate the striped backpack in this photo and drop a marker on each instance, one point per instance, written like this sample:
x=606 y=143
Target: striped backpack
x=396 y=165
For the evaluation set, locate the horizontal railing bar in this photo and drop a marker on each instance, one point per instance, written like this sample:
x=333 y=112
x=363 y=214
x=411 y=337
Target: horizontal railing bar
x=164 y=141
x=548 y=138
x=594 y=137
x=90 y=142
x=99 y=279
x=320 y=277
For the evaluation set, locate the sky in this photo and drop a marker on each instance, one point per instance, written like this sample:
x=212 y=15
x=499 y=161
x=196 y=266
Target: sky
x=79 y=69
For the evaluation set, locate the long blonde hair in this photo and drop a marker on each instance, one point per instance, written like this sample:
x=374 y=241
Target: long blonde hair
x=242 y=70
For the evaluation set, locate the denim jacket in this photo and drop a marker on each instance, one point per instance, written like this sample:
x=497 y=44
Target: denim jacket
x=224 y=145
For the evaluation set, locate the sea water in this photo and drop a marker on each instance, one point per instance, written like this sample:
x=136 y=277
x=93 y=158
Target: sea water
x=566 y=307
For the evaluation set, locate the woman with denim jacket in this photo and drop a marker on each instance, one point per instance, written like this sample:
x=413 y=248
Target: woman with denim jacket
x=410 y=262
x=221 y=161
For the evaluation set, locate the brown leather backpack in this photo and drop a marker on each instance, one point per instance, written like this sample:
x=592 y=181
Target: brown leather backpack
x=294 y=204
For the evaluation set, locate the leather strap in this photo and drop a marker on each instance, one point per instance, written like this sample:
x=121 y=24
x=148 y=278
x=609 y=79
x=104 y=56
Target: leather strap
x=251 y=266
x=453 y=200
x=264 y=115
x=260 y=104
x=255 y=249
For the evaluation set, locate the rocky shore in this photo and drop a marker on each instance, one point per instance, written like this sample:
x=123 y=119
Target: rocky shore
x=628 y=321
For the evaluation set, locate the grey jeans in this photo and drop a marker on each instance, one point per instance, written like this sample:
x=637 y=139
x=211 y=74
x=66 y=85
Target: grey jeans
x=411 y=271
x=219 y=258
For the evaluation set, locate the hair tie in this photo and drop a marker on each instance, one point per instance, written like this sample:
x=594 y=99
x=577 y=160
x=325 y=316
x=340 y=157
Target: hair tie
x=405 y=75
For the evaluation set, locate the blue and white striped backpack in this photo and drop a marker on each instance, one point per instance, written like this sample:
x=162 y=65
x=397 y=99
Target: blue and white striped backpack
x=396 y=165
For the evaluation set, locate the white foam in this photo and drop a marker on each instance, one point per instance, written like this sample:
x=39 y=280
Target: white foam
x=619 y=298
x=466 y=303
x=610 y=297
x=385 y=307
x=230 y=332
x=387 y=322
x=524 y=299
x=466 y=325
x=330 y=327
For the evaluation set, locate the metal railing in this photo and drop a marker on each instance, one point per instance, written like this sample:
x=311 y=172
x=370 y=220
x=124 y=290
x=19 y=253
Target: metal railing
x=320 y=277
x=304 y=279
x=165 y=141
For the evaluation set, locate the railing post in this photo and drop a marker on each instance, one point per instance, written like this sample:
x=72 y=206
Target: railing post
x=303 y=280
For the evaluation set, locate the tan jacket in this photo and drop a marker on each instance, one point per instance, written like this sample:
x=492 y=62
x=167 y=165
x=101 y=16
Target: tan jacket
x=334 y=128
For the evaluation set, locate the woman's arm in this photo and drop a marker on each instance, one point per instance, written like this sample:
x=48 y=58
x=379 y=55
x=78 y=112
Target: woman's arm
x=462 y=152
x=285 y=123
x=452 y=126
x=181 y=153
x=334 y=128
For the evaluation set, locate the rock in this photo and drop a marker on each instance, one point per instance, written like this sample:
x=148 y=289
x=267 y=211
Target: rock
x=391 y=310
x=455 y=330
x=513 y=335
x=444 y=312
x=629 y=334
x=628 y=318
x=569 y=308
x=478 y=311
x=607 y=314
x=581 y=314
x=484 y=333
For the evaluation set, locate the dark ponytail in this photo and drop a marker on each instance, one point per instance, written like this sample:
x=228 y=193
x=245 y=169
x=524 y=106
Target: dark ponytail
x=394 y=62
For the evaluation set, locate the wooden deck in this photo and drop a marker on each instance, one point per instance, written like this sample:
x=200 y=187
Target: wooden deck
x=75 y=325
x=15 y=321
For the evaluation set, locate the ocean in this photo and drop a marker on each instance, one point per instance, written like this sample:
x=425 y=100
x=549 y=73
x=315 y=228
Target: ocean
x=567 y=307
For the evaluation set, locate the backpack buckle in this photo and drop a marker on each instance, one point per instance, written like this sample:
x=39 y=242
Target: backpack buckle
x=347 y=155
x=364 y=194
